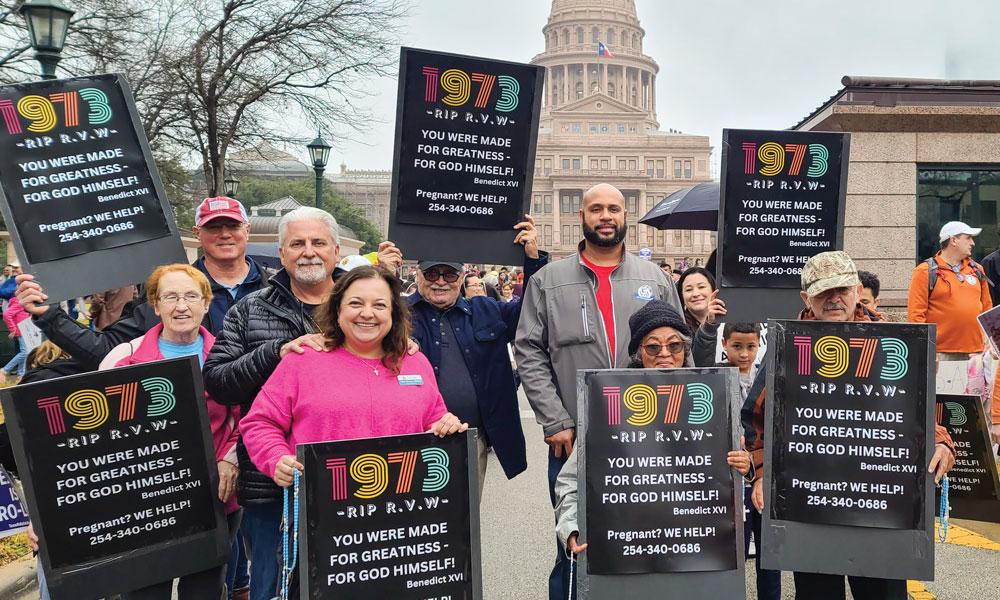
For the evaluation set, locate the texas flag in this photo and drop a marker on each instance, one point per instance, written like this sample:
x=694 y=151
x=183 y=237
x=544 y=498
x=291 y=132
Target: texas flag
x=602 y=50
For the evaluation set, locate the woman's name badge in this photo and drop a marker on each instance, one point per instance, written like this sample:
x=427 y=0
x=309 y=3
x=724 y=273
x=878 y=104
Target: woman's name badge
x=410 y=379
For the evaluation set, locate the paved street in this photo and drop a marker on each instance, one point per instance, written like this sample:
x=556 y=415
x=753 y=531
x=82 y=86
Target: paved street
x=519 y=547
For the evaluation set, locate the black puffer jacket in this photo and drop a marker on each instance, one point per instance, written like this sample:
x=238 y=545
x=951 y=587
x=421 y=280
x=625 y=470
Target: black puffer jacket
x=245 y=354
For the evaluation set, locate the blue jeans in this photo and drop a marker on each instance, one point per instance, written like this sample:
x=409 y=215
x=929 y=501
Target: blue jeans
x=43 y=588
x=237 y=573
x=18 y=362
x=768 y=581
x=262 y=528
x=559 y=578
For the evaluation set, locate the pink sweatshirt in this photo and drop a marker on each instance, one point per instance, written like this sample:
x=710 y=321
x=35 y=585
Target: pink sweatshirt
x=13 y=316
x=330 y=396
x=222 y=419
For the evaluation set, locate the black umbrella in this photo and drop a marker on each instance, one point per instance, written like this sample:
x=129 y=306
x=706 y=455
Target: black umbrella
x=695 y=207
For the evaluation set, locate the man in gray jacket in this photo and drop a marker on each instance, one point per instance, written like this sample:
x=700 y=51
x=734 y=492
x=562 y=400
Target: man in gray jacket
x=574 y=315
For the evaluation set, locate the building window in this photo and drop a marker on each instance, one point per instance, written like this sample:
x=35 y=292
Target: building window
x=547 y=235
x=632 y=236
x=611 y=89
x=687 y=169
x=659 y=239
x=621 y=128
x=567 y=233
x=547 y=168
x=953 y=194
x=677 y=169
x=579 y=90
x=605 y=164
x=538 y=204
x=593 y=163
x=547 y=205
x=575 y=128
x=687 y=239
x=631 y=201
x=611 y=36
x=594 y=35
x=576 y=164
x=677 y=238
x=565 y=37
x=579 y=35
x=604 y=128
x=632 y=165
x=565 y=164
x=267 y=212
x=649 y=168
x=659 y=169
x=569 y=202
x=592 y=127
x=622 y=164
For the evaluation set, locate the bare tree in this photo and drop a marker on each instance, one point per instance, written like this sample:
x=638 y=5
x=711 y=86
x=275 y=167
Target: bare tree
x=254 y=64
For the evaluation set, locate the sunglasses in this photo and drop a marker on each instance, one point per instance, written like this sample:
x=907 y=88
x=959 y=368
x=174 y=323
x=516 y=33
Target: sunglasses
x=672 y=348
x=433 y=274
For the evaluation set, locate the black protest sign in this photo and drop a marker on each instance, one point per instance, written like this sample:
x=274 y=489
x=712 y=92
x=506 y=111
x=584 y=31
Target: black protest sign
x=77 y=182
x=848 y=434
x=466 y=129
x=783 y=201
x=660 y=497
x=119 y=474
x=973 y=485
x=391 y=517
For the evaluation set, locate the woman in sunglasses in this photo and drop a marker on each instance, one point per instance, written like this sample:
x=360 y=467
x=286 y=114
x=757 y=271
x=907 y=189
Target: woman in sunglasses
x=660 y=339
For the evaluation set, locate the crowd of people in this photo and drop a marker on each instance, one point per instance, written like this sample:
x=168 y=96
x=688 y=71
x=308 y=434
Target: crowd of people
x=294 y=356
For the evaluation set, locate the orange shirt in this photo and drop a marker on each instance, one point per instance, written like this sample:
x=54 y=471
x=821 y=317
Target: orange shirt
x=953 y=305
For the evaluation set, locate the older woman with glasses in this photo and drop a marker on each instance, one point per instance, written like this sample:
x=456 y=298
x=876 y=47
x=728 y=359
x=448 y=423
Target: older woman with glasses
x=660 y=339
x=180 y=295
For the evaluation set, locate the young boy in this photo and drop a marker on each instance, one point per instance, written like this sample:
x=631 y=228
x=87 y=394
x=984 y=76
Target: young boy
x=869 y=289
x=741 y=342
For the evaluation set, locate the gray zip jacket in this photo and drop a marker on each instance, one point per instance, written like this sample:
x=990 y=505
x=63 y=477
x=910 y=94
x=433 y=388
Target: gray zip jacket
x=561 y=329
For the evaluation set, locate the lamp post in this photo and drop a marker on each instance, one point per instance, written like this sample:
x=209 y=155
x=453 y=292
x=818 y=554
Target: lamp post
x=231 y=185
x=48 y=22
x=319 y=154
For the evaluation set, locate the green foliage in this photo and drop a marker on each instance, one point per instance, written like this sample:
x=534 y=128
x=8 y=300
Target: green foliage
x=254 y=192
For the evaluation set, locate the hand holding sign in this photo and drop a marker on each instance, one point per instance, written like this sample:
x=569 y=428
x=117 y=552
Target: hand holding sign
x=31 y=295
x=447 y=425
x=716 y=308
x=527 y=236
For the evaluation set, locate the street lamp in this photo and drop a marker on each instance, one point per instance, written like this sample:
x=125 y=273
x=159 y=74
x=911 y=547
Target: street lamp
x=231 y=185
x=319 y=154
x=48 y=22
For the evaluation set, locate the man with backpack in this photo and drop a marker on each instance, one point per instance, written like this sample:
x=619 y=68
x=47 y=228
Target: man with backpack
x=950 y=289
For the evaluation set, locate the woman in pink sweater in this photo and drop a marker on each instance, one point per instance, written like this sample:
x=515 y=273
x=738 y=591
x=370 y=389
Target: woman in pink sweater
x=363 y=385
x=12 y=317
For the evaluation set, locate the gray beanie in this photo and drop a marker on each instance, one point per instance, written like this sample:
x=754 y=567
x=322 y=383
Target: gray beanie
x=655 y=314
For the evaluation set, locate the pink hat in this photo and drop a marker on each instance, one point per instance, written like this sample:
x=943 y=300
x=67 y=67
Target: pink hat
x=220 y=206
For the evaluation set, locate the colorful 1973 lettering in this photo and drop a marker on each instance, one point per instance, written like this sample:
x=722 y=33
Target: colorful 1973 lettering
x=643 y=401
x=774 y=156
x=835 y=354
x=458 y=84
x=91 y=409
x=371 y=473
x=40 y=111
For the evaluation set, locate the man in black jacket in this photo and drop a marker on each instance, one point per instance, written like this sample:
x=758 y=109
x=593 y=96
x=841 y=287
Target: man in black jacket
x=222 y=228
x=256 y=334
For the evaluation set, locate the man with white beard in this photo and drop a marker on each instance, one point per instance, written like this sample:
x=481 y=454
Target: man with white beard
x=256 y=334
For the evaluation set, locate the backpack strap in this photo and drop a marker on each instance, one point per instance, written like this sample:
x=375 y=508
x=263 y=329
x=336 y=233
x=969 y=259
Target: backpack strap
x=932 y=275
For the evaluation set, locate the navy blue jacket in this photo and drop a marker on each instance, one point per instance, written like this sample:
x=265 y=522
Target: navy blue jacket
x=483 y=332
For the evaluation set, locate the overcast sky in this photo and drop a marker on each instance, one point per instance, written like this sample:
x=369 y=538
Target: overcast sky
x=723 y=63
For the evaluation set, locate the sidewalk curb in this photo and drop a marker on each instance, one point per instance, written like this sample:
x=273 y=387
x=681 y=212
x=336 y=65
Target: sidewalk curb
x=18 y=578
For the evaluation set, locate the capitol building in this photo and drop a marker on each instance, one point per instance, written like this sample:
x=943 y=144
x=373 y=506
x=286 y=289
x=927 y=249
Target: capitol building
x=599 y=125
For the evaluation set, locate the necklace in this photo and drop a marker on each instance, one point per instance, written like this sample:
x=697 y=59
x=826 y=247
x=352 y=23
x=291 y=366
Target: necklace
x=371 y=363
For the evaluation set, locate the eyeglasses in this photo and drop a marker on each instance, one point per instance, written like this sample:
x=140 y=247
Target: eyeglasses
x=473 y=285
x=188 y=298
x=432 y=274
x=672 y=348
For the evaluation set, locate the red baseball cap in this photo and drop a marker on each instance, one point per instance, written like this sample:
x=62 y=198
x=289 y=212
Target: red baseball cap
x=220 y=206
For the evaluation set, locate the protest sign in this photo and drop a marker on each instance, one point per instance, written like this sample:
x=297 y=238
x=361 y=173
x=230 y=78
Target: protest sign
x=391 y=517
x=31 y=334
x=973 y=484
x=783 y=201
x=13 y=517
x=464 y=157
x=79 y=189
x=119 y=474
x=660 y=506
x=849 y=431
x=990 y=322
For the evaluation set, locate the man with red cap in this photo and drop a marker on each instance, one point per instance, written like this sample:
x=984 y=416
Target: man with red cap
x=221 y=226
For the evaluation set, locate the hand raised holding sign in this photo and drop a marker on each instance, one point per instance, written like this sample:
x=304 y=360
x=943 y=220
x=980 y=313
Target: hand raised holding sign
x=31 y=295
x=716 y=308
x=447 y=425
x=527 y=236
